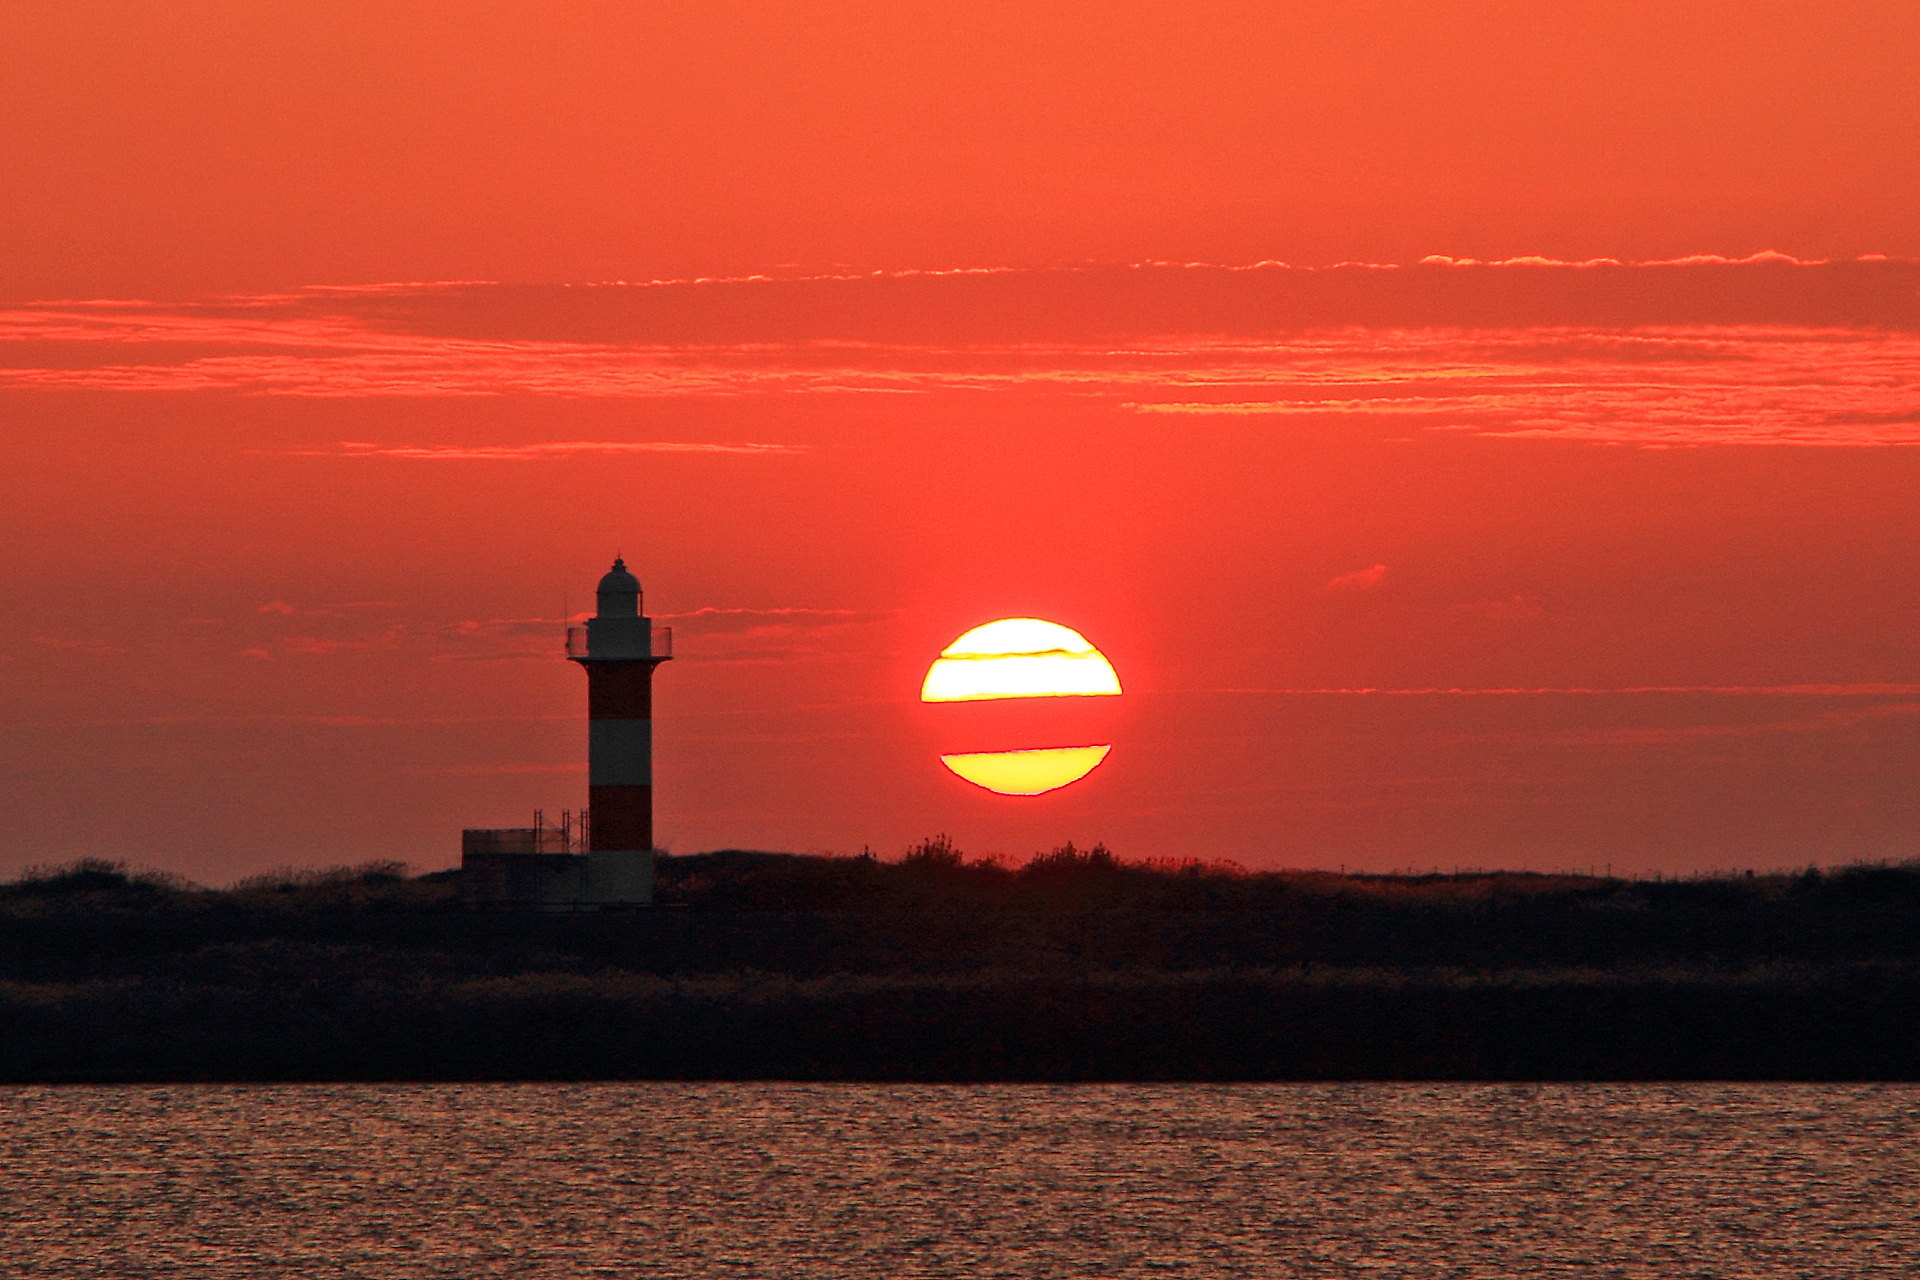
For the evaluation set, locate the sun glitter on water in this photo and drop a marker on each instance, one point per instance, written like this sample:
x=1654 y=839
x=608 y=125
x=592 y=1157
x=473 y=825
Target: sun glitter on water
x=1022 y=658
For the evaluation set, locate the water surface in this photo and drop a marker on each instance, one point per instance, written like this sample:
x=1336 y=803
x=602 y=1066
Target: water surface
x=1726 y=1181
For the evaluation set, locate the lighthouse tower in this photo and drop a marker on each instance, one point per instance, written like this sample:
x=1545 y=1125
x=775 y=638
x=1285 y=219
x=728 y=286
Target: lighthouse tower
x=619 y=648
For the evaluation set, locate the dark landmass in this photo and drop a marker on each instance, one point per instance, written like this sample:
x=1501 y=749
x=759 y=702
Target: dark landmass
x=1073 y=967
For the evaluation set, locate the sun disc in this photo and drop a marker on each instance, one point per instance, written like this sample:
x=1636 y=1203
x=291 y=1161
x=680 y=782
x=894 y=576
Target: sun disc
x=1019 y=658
x=1017 y=635
x=1026 y=773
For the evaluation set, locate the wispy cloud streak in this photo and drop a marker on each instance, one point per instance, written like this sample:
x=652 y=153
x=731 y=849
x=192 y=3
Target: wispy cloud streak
x=545 y=450
x=1521 y=691
x=1656 y=387
x=1627 y=374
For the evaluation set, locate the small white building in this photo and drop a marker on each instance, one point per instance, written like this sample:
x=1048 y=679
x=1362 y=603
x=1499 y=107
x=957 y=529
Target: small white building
x=548 y=868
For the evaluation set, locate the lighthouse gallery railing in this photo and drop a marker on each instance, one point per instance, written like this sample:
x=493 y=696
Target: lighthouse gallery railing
x=659 y=642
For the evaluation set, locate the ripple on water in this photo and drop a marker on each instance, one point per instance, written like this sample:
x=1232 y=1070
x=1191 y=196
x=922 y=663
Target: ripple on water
x=1729 y=1181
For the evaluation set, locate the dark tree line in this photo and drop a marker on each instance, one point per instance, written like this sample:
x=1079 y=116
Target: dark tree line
x=1075 y=965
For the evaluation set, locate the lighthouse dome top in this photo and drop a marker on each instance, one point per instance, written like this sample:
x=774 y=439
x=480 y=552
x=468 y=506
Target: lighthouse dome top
x=619 y=592
x=618 y=579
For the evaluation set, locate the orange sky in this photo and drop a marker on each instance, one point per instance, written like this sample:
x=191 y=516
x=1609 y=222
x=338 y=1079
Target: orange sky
x=1400 y=563
x=188 y=145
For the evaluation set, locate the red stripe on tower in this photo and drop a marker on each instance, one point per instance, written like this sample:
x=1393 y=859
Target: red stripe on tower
x=620 y=652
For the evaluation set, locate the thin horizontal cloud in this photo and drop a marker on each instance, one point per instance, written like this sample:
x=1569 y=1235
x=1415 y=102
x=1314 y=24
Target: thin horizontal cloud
x=92 y=648
x=1526 y=260
x=783 y=612
x=1653 y=388
x=1263 y=265
x=500 y=655
x=769 y=622
x=287 y=609
x=1848 y=707
x=1765 y=255
x=765 y=648
x=338 y=721
x=465 y=640
x=1884 y=690
x=1690 y=260
x=324 y=645
x=468 y=628
x=1359 y=580
x=1701 y=351
x=543 y=451
x=1676 y=735
x=399 y=286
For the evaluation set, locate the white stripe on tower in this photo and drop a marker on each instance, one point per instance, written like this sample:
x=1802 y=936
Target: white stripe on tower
x=619 y=753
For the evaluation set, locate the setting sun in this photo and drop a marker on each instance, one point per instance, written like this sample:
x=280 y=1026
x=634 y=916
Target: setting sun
x=1021 y=658
x=1026 y=773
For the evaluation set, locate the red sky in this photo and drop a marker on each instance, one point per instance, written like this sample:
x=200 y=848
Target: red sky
x=1401 y=563
x=188 y=145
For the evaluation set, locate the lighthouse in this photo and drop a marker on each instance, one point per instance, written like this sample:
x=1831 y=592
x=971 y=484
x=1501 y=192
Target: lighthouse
x=543 y=867
x=619 y=648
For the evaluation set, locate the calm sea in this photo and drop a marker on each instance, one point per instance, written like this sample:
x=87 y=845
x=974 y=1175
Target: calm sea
x=1723 y=1181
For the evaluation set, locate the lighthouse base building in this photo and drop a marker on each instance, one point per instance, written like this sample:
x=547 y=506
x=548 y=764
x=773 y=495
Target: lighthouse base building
x=550 y=868
x=609 y=862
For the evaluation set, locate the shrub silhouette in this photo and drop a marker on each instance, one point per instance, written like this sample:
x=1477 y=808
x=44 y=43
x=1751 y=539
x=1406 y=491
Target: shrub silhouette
x=935 y=853
x=1073 y=965
x=86 y=875
x=1067 y=863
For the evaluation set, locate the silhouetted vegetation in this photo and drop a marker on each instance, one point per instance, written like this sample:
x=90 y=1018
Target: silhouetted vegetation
x=1074 y=965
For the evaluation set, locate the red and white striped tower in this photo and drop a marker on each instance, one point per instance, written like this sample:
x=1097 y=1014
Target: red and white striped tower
x=620 y=651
